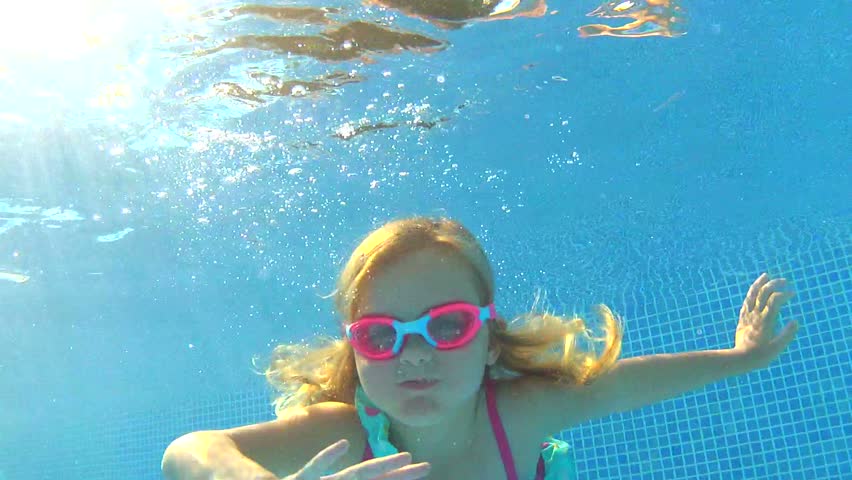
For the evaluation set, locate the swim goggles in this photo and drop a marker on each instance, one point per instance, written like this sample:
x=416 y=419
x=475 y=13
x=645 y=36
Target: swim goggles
x=445 y=327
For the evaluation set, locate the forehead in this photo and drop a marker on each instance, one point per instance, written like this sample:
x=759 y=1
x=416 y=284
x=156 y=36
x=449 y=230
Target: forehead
x=420 y=280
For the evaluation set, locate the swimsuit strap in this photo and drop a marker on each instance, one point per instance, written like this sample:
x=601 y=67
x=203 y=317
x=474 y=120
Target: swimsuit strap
x=541 y=468
x=376 y=424
x=499 y=432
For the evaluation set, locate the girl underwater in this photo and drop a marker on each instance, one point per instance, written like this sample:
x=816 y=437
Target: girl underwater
x=428 y=380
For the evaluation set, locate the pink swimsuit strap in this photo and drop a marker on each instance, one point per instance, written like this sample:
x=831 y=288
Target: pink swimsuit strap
x=499 y=432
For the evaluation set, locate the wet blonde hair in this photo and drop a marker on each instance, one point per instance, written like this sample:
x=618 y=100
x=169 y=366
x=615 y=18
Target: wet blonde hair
x=537 y=343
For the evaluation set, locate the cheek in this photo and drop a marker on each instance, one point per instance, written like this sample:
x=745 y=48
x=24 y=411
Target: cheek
x=378 y=379
x=467 y=362
x=375 y=373
x=479 y=346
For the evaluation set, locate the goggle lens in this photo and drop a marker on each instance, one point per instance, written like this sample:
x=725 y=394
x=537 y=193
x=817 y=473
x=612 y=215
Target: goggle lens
x=451 y=328
x=374 y=338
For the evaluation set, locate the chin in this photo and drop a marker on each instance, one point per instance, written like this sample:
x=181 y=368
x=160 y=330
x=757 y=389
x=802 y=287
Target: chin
x=420 y=410
x=415 y=417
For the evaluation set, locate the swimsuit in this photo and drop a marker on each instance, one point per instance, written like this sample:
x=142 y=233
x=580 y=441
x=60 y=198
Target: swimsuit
x=556 y=461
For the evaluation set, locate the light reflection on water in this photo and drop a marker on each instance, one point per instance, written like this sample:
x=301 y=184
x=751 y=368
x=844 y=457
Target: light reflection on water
x=242 y=117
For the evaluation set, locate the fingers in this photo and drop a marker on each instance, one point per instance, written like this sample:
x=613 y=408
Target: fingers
x=408 y=472
x=768 y=289
x=751 y=296
x=379 y=468
x=776 y=301
x=325 y=459
x=761 y=291
x=787 y=335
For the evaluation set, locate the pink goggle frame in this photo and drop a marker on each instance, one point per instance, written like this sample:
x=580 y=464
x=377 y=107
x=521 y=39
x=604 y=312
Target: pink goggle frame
x=445 y=327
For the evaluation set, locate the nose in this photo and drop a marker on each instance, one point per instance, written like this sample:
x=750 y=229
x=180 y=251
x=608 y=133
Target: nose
x=416 y=350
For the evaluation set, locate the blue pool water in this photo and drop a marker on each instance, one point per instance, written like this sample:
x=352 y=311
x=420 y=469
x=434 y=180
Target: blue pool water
x=180 y=184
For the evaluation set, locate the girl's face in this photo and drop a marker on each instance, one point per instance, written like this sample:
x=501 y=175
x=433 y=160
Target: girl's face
x=406 y=290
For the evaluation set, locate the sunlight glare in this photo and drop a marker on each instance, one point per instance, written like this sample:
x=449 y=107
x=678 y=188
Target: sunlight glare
x=66 y=30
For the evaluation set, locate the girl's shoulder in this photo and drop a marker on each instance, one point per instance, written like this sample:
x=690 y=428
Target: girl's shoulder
x=528 y=411
x=336 y=421
x=285 y=445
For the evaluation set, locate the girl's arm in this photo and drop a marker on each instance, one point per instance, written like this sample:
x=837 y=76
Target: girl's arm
x=280 y=446
x=641 y=381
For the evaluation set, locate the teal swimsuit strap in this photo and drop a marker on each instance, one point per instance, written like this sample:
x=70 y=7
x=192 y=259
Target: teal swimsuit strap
x=376 y=423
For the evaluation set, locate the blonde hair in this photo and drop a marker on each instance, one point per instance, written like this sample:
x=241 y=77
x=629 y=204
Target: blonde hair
x=541 y=344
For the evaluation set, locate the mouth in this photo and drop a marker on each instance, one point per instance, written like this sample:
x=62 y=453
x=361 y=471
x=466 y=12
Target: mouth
x=418 y=384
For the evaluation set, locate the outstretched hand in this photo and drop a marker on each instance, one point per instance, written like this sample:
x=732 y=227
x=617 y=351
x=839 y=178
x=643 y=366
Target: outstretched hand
x=755 y=338
x=391 y=467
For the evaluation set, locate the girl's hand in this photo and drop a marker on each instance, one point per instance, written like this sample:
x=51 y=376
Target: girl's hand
x=392 y=467
x=755 y=337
